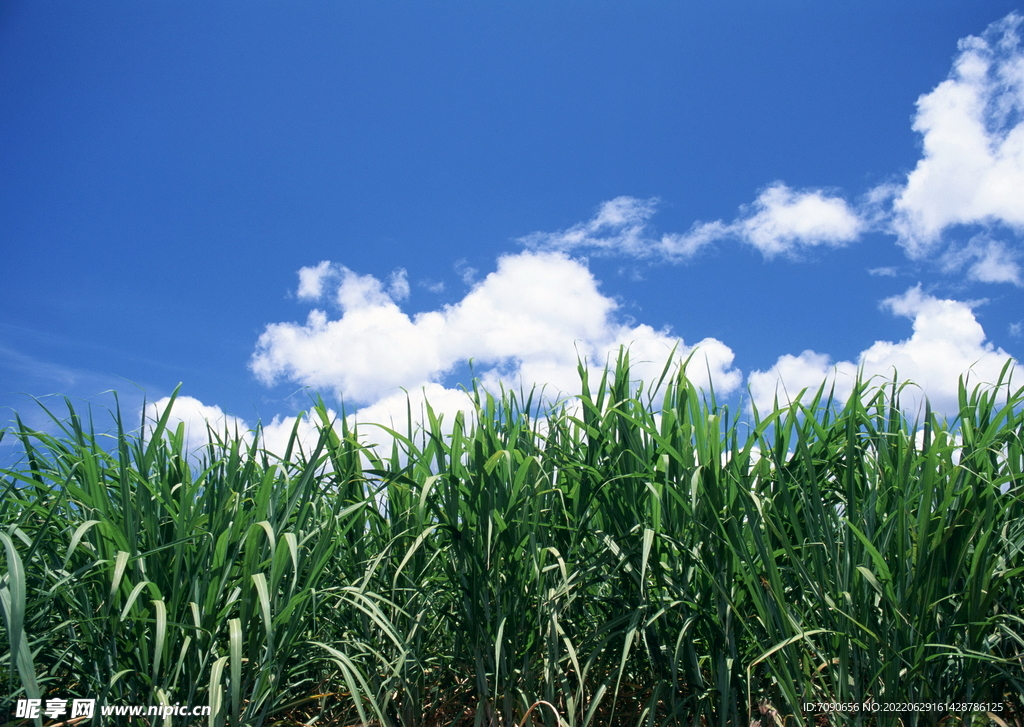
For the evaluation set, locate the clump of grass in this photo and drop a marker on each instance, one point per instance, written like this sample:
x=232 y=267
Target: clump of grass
x=641 y=557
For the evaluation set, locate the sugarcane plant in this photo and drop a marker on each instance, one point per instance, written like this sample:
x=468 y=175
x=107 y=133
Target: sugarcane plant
x=639 y=554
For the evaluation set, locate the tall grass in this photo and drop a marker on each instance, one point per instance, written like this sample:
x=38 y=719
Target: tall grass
x=635 y=557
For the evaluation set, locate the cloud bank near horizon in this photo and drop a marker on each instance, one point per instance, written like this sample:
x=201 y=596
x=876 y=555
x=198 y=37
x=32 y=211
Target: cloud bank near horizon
x=946 y=342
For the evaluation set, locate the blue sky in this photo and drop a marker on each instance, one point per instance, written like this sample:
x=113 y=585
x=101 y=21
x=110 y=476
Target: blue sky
x=253 y=198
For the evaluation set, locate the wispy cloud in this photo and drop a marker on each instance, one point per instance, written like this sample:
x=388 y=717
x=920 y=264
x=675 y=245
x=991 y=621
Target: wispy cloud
x=620 y=227
x=781 y=221
x=986 y=260
x=466 y=273
x=83 y=387
x=56 y=375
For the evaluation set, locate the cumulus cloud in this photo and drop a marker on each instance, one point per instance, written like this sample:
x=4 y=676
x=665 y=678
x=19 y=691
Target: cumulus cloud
x=275 y=436
x=947 y=342
x=373 y=425
x=405 y=412
x=972 y=128
x=781 y=221
x=527 y=322
x=200 y=421
x=203 y=420
x=791 y=375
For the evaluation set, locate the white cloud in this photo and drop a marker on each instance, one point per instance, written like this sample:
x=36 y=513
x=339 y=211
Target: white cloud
x=360 y=291
x=780 y=221
x=620 y=227
x=529 y=321
x=276 y=435
x=199 y=419
x=311 y=280
x=466 y=273
x=354 y=290
x=398 y=285
x=947 y=342
x=986 y=260
x=972 y=124
x=792 y=374
x=391 y=413
x=371 y=424
x=686 y=245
